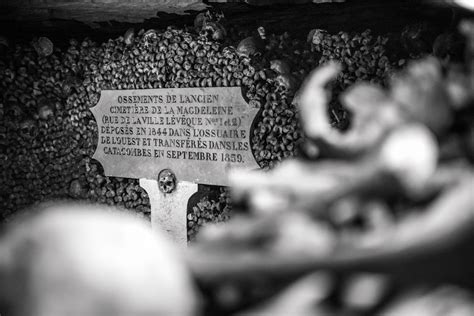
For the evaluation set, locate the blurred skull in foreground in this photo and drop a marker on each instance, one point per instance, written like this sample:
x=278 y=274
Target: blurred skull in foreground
x=91 y=261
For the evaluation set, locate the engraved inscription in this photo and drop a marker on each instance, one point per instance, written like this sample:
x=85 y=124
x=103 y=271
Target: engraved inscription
x=199 y=133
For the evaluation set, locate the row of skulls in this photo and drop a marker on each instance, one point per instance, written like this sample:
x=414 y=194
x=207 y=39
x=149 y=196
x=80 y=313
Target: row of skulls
x=46 y=93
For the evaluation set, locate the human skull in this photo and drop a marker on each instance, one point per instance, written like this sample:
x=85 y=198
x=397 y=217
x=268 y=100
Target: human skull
x=247 y=47
x=129 y=36
x=57 y=261
x=166 y=181
x=149 y=36
x=216 y=30
x=280 y=66
x=43 y=46
x=316 y=36
x=45 y=111
x=261 y=32
x=286 y=81
x=28 y=129
x=15 y=111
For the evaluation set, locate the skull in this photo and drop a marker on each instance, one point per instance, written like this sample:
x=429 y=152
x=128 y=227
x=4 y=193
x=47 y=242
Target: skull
x=149 y=36
x=280 y=66
x=247 y=47
x=45 y=112
x=129 y=36
x=70 y=83
x=316 y=36
x=28 y=129
x=216 y=30
x=286 y=81
x=200 y=20
x=15 y=112
x=261 y=32
x=43 y=46
x=75 y=188
x=166 y=181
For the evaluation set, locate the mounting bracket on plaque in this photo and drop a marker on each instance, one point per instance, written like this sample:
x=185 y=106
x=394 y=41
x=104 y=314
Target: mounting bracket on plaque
x=188 y=135
x=168 y=201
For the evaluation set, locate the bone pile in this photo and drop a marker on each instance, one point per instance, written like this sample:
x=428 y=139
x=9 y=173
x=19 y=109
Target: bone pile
x=48 y=134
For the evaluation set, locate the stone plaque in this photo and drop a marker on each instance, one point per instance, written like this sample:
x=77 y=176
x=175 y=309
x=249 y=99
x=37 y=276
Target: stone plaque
x=199 y=133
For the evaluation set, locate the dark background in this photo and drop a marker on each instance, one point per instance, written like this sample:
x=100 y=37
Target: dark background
x=103 y=19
